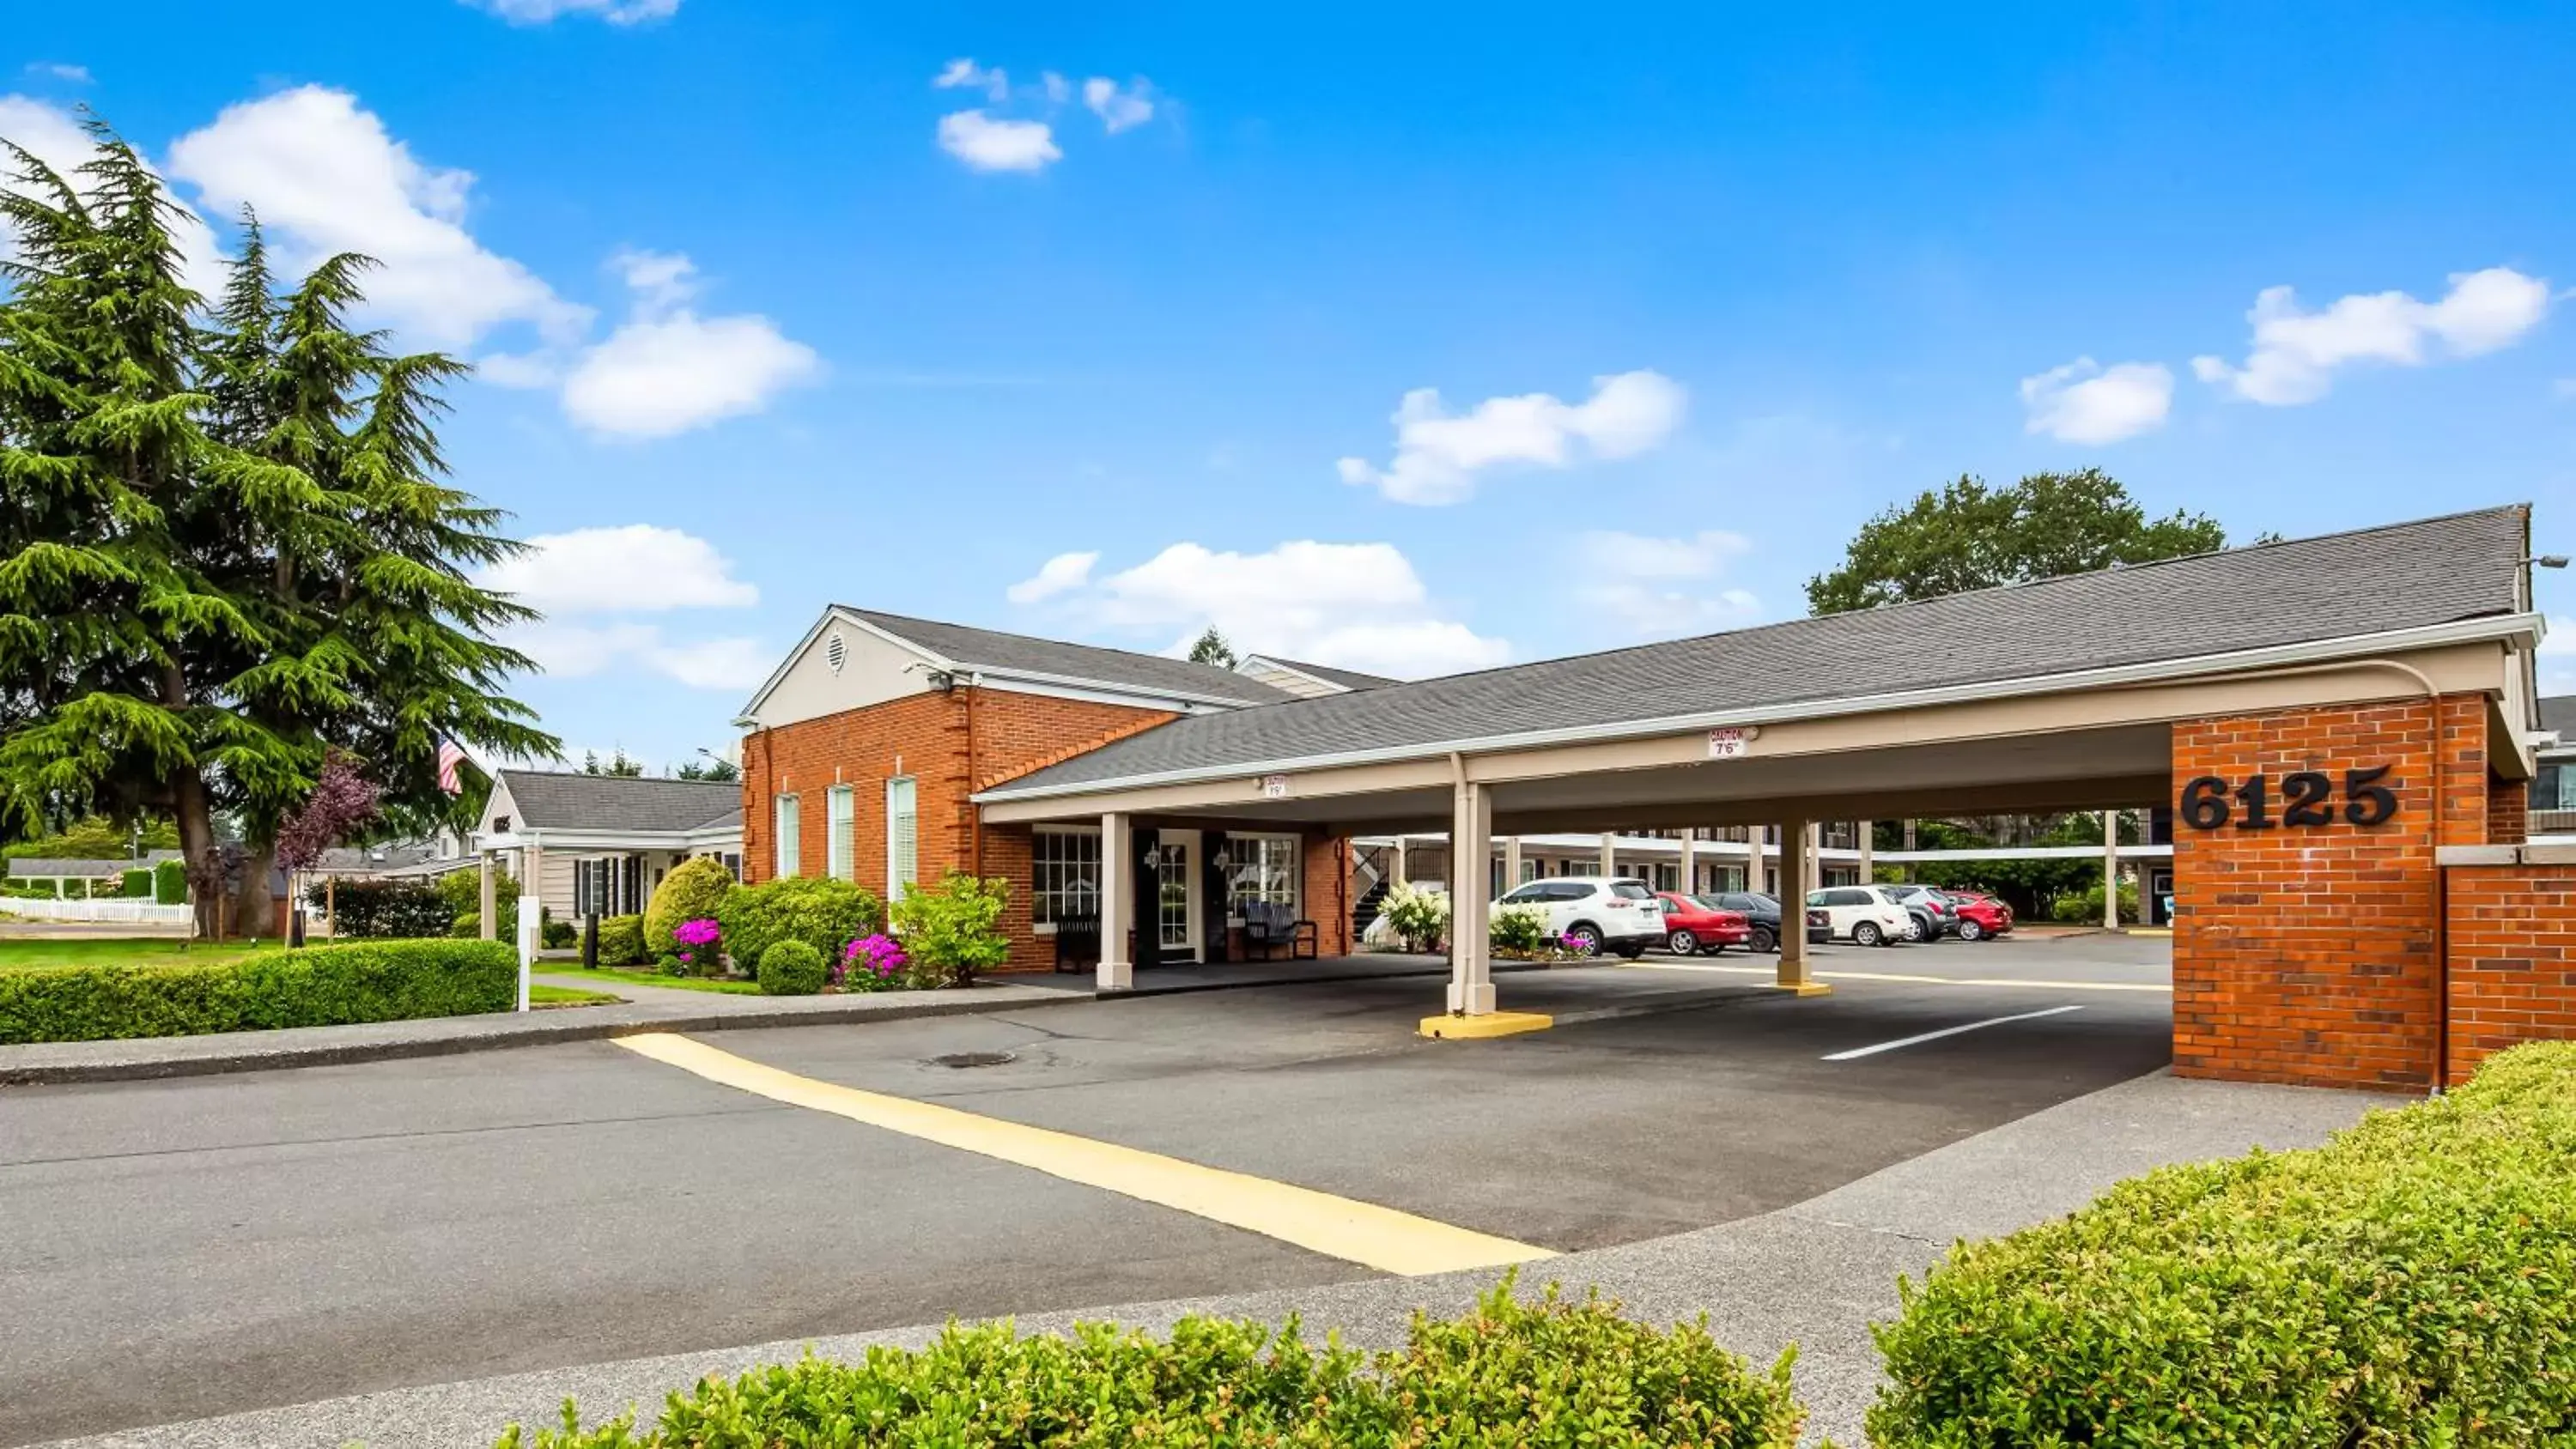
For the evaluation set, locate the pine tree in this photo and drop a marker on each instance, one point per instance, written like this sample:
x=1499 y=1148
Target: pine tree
x=224 y=551
x=1212 y=649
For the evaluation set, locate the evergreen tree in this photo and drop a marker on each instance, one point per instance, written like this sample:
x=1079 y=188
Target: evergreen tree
x=1212 y=649
x=224 y=550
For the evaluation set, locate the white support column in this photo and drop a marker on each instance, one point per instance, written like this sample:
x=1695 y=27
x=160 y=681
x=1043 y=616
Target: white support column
x=1118 y=868
x=1796 y=879
x=1609 y=852
x=1690 y=862
x=1868 y=848
x=2110 y=870
x=1511 y=864
x=1815 y=848
x=1471 y=969
x=532 y=913
x=490 y=900
x=1399 y=878
x=1757 y=871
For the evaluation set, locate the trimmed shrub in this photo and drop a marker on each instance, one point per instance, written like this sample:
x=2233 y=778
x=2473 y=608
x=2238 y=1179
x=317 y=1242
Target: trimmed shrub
x=953 y=929
x=1520 y=930
x=1549 y=1372
x=691 y=890
x=2408 y=1283
x=823 y=913
x=136 y=885
x=2085 y=908
x=314 y=986
x=791 y=968
x=672 y=966
x=378 y=909
x=621 y=940
x=170 y=883
x=463 y=892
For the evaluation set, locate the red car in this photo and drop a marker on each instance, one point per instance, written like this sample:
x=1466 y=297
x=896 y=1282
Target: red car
x=1694 y=929
x=1980 y=915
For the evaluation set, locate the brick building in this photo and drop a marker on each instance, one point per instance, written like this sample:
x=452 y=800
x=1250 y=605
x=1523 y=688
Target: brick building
x=864 y=748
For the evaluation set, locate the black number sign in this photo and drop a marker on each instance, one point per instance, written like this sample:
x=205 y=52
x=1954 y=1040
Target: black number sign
x=2307 y=798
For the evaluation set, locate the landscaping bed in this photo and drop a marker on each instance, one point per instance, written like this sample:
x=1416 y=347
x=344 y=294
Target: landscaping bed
x=335 y=985
x=1541 y=1372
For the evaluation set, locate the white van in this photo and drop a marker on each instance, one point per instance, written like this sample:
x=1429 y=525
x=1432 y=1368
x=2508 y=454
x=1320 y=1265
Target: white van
x=1591 y=914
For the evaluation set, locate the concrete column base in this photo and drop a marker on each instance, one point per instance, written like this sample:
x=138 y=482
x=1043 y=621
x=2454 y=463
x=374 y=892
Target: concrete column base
x=1116 y=976
x=1476 y=999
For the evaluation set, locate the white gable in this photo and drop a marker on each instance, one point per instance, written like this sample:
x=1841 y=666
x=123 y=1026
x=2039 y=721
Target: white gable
x=842 y=665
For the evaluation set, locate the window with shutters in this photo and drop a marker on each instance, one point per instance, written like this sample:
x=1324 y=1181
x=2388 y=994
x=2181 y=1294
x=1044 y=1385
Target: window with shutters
x=783 y=818
x=903 y=838
x=843 y=805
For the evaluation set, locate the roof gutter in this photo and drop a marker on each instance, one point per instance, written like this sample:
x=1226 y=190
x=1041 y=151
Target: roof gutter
x=2523 y=628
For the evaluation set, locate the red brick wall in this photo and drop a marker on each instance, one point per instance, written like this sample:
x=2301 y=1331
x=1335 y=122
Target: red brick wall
x=951 y=744
x=2307 y=955
x=2508 y=812
x=2512 y=947
x=1327 y=898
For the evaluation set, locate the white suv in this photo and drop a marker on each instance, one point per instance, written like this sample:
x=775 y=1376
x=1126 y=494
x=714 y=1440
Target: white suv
x=1595 y=913
x=1863 y=915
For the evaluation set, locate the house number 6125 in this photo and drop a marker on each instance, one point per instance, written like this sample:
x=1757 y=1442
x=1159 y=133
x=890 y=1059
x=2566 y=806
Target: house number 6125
x=2307 y=799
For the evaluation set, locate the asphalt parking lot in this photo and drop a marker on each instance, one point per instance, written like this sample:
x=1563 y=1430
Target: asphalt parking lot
x=186 y=1248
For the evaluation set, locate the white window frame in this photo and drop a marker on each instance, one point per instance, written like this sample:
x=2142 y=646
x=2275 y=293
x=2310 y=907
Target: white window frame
x=1064 y=880
x=786 y=829
x=1290 y=889
x=903 y=836
x=841 y=833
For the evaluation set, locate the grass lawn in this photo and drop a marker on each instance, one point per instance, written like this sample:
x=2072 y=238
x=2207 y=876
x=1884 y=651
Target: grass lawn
x=28 y=954
x=540 y=994
x=611 y=976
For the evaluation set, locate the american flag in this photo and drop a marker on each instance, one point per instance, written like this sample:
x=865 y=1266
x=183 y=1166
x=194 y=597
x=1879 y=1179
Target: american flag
x=450 y=755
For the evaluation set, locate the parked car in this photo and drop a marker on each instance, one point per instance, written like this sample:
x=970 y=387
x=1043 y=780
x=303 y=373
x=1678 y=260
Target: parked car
x=1862 y=915
x=1934 y=916
x=1591 y=914
x=1980 y=915
x=1761 y=915
x=1693 y=928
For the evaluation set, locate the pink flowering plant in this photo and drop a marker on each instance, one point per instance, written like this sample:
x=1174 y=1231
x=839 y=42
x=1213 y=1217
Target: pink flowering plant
x=697 y=938
x=870 y=963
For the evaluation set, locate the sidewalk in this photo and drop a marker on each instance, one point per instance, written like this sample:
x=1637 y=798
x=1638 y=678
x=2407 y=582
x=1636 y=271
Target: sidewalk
x=663 y=1009
x=1815 y=1275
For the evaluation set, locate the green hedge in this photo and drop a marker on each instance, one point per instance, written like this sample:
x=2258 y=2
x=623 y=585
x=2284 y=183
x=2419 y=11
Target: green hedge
x=823 y=913
x=693 y=890
x=170 y=883
x=136 y=884
x=1543 y=1373
x=2411 y=1282
x=314 y=986
x=381 y=909
x=621 y=940
x=792 y=968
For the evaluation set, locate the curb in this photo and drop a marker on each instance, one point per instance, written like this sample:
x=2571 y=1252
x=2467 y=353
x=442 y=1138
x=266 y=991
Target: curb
x=285 y=1055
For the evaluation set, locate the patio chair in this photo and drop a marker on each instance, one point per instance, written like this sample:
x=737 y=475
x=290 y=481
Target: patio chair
x=1270 y=929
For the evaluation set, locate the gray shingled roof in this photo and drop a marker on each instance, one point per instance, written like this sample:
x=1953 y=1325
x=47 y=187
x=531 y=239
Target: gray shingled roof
x=56 y=865
x=2558 y=712
x=1346 y=678
x=563 y=800
x=2364 y=582
x=992 y=650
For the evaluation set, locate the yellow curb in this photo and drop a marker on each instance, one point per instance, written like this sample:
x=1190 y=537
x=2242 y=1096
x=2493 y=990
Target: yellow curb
x=1807 y=988
x=1492 y=1023
x=1338 y=1227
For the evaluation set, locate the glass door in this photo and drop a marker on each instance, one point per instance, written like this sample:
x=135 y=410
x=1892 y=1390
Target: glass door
x=1175 y=886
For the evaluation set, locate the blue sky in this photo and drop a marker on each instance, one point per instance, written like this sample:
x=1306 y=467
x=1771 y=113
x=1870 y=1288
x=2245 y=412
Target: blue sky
x=1403 y=341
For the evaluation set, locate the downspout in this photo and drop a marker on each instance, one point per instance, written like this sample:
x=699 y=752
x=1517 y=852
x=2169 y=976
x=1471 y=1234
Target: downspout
x=2441 y=903
x=974 y=812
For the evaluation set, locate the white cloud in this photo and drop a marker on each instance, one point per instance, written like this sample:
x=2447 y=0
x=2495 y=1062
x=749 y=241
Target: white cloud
x=2085 y=402
x=1117 y=109
x=965 y=73
x=1058 y=89
x=1357 y=605
x=1653 y=586
x=1063 y=572
x=76 y=74
x=583 y=651
x=325 y=177
x=1437 y=454
x=668 y=370
x=634 y=568
x=54 y=136
x=615 y=12
x=2296 y=352
x=990 y=143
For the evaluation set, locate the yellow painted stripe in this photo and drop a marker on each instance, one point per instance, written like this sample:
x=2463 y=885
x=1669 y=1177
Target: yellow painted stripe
x=1358 y=1232
x=1768 y=973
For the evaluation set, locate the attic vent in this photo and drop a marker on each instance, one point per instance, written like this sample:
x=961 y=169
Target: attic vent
x=836 y=652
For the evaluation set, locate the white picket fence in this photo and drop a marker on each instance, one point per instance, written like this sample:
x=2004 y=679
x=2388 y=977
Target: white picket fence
x=106 y=909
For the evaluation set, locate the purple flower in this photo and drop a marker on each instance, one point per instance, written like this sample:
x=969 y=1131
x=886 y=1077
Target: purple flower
x=876 y=954
x=700 y=932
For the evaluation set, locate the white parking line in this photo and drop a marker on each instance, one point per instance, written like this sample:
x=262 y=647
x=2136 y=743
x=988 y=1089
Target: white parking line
x=1889 y=1046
